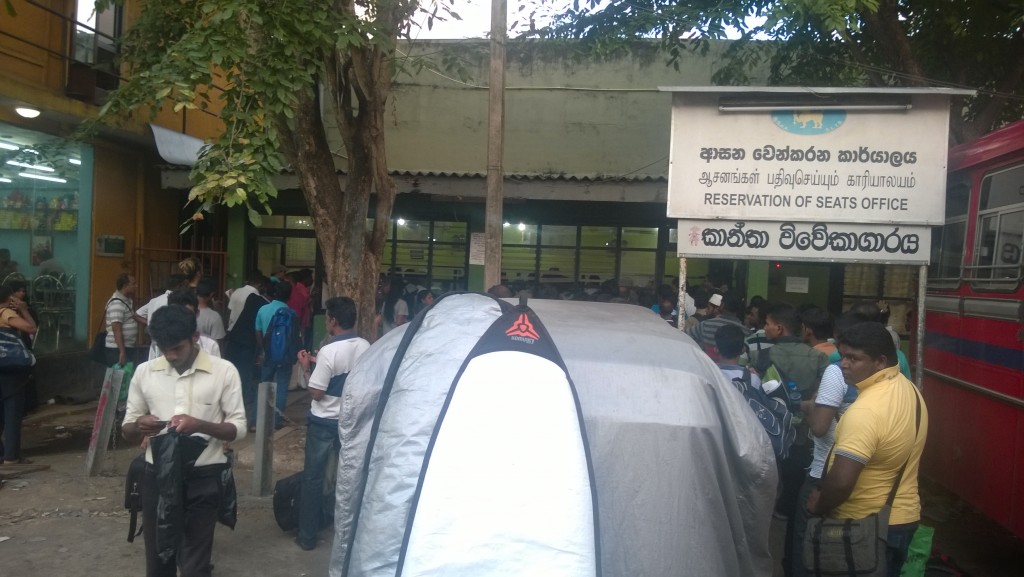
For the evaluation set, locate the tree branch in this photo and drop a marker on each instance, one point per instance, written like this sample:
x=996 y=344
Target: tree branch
x=991 y=113
x=886 y=29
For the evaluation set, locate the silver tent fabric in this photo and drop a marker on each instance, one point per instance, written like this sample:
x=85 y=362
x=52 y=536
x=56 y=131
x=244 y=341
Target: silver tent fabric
x=685 y=474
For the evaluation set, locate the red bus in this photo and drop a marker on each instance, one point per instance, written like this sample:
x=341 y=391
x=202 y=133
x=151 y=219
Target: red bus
x=974 y=341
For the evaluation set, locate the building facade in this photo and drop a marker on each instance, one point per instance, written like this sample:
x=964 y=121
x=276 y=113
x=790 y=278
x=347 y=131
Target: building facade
x=586 y=161
x=76 y=214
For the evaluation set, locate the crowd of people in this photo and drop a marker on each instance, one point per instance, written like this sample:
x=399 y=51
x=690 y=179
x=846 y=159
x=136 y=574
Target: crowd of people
x=861 y=431
x=197 y=384
x=861 y=421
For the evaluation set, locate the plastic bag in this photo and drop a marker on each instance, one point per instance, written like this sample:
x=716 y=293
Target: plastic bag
x=919 y=552
x=129 y=371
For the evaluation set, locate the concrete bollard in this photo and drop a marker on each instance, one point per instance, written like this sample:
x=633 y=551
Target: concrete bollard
x=263 y=462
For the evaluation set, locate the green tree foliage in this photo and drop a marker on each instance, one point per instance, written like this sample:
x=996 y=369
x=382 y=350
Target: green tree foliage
x=976 y=44
x=279 y=75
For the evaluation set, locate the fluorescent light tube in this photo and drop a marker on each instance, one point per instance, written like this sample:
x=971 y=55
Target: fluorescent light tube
x=32 y=166
x=41 y=177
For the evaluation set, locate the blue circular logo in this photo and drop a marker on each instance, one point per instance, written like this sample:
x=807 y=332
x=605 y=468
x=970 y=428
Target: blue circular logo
x=809 y=122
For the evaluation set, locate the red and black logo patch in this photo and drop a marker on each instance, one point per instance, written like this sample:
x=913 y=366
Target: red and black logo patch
x=523 y=328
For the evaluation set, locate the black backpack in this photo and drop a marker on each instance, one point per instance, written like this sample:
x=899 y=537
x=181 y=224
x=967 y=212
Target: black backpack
x=133 y=494
x=287 y=493
x=772 y=412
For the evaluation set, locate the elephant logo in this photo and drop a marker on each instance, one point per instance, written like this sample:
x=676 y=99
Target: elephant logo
x=808 y=122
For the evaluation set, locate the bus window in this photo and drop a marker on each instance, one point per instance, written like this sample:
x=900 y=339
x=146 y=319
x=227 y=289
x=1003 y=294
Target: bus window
x=1002 y=189
x=1000 y=227
x=999 y=245
x=947 y=251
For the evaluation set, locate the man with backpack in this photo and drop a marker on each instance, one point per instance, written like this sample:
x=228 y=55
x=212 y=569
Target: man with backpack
x=332 y=364
x=800 y=368
x=279 y=340
x=771 y=410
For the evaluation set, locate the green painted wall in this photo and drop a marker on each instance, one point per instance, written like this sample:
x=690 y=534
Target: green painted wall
x=236 y=247
x=757 y=278
x=817 y=285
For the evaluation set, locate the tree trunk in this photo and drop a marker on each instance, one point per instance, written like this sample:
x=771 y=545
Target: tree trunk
x=359 y=83
x=338 y=215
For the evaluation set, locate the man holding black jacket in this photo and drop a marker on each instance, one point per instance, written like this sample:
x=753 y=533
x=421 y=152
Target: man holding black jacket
x=200 y=397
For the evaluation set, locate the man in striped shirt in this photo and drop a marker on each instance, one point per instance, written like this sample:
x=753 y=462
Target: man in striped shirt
x=731 y=307
x=122 y=328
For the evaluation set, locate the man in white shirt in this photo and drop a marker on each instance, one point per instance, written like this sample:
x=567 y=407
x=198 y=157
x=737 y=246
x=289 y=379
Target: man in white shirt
x=211 y=324
x=145 y=312
x=187 y=298
x=333 y=363
x=196 y=395
x=236 y=301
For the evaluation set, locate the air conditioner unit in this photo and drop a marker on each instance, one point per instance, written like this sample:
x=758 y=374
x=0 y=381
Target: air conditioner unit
x=82 y=82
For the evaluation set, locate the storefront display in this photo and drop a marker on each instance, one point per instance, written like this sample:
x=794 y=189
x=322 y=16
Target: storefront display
x=45 y=195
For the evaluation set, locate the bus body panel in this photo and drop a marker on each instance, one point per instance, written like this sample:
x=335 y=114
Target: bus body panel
x=974 y=355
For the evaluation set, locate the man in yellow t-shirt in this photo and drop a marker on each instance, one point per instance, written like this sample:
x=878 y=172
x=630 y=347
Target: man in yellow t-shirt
x=883 y=429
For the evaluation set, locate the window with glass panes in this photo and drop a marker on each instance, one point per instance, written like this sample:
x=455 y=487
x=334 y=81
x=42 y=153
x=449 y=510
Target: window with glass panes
x=286 y=240
x=1001 y=226
x=947 y=250
x=579 y=257
x=429 y=253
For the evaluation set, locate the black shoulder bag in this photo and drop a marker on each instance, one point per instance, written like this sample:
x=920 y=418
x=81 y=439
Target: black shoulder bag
x=98 y=350
x=133 y=494
x=853 y=547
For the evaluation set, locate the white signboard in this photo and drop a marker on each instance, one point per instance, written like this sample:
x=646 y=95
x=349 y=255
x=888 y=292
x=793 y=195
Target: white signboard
x=798 y=284
x=834 y=165
x=828 y=242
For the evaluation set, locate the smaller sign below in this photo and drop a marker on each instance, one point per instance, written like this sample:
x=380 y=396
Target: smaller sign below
x=805 y=241
x=110 y=245
x=477 y=248
x=798 y=284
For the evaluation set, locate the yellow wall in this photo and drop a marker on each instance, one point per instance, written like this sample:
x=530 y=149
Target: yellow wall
x=117 y=194
x=127 y=200
x=31 y=42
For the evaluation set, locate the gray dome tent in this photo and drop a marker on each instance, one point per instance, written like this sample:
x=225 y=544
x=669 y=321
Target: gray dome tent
x=609 y=445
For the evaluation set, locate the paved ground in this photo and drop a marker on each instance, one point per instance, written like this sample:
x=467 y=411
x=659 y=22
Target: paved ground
x=61 y=522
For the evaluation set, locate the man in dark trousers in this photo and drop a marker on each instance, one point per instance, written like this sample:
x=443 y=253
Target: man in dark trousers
x=195 y=394
x=333 y=362
x=799 y=364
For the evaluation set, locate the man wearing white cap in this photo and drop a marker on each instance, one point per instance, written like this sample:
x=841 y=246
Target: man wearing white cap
x=726 y=311
x=714 y=305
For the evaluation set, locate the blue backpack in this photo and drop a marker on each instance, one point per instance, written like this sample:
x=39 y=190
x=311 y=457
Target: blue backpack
x=772 y=412
x=283 y=340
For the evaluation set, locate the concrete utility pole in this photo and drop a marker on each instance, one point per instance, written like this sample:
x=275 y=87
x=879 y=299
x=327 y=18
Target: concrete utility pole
x=495 y=147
